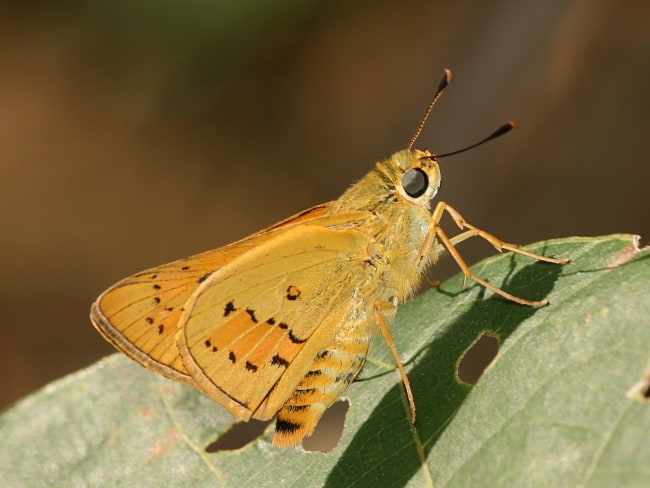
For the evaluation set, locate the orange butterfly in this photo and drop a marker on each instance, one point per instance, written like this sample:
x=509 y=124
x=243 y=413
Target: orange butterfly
x=279 y=323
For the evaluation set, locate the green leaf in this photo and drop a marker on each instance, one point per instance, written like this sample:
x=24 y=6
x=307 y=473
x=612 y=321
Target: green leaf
x=551 y=410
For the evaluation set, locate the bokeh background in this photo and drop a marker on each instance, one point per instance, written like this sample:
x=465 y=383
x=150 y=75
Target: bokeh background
x=135 y=133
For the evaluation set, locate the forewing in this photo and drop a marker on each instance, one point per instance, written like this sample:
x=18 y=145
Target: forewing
x=258 y=323
x=141 y=314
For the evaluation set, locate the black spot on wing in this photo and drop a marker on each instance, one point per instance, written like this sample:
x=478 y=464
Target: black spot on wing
x=232 y=357
x=278 y=360
x=293 y=293
x=295 y=339
x=251 y=313
x=250 y=366
x=230 y=307
x=203 y=278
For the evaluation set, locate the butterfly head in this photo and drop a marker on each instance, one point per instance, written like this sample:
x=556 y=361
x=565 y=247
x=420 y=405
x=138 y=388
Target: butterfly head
x=408 y=179
x=414 y=174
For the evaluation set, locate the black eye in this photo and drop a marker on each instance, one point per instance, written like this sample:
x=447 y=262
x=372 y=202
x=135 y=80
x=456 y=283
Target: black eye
x=415 y=182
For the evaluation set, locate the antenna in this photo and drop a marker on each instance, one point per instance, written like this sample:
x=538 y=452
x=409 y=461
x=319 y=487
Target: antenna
x=497 y=133
x=446 y=78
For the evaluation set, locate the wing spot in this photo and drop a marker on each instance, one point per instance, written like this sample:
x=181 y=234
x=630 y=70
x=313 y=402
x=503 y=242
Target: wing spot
x=207 y=343
x=278 y=360
x=250 y=366
x=295 y=339
x=149 y=320
x=314 y=372
x=271 y=321
x=283 y=326
x=161 y=329
x=293 y=292
x=252 y=314
x=153 y=277
x=156 y=300
x=232 y=357
x=185 y=268
x=170 y=309
x=230 y=307
x=156 y=287
x=203 y=278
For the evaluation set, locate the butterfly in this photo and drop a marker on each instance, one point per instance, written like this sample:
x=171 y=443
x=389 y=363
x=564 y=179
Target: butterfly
x=280 y=323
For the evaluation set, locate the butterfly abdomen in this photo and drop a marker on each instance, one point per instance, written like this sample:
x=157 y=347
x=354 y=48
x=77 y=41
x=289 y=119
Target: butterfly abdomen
x=330 y=375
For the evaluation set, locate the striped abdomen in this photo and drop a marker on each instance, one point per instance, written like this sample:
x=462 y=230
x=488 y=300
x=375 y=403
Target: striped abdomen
x=330 y=375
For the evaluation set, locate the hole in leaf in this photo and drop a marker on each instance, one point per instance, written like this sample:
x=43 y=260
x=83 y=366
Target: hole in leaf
x=238 y=436
x=329 y=430
x=477 y=358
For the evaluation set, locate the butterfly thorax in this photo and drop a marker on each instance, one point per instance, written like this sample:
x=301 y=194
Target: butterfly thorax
x=398 y=222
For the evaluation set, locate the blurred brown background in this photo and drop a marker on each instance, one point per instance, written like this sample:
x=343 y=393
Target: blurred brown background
x=132 y=134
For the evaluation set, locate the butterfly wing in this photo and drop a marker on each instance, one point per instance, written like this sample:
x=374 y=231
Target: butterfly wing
x=252 y=330
x=140 y=315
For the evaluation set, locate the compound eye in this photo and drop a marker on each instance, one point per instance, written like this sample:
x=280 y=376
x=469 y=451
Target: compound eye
x=415 y=182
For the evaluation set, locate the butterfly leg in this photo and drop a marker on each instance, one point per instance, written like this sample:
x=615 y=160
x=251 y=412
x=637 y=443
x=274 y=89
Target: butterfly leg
x=499 y=245
x=388 y=338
